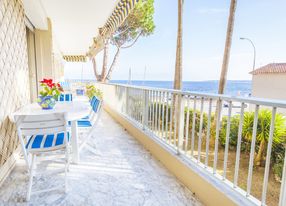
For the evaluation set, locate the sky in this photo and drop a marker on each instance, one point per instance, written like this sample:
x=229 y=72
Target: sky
x=204 y=32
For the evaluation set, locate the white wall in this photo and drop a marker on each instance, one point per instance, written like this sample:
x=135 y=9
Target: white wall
x=271 y=86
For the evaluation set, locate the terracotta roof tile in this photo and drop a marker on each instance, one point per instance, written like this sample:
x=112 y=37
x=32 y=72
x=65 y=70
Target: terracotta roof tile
x=270 y=69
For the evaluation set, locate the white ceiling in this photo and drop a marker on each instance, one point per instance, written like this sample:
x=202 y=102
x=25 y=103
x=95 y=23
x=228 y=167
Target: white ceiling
x=74 y=22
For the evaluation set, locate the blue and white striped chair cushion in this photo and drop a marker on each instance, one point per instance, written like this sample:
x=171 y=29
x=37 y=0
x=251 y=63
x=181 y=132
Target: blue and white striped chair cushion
x=82 y=123
x=46 y=142
x=93 y=99
x=94 y=103
x=65 y=98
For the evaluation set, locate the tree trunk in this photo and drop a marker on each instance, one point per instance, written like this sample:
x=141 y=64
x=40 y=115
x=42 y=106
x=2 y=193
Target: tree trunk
x=259 y=155
x=112 y=66
x=178 y=68
x=97 y=76
x=105 y=60
x=224 y=69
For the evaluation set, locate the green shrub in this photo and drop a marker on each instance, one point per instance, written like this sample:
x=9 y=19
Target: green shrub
x=234 y=123
x=277 y=159
x=197 y=120
x=263 y=130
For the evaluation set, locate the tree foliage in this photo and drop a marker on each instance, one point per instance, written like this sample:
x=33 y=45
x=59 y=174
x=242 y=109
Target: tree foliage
x=138 y=23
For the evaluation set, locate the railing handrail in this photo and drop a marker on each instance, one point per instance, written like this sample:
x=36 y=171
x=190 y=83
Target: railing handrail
x=249 y=100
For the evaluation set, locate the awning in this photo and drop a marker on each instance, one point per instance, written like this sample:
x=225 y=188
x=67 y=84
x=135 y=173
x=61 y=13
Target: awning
x=121 y=11
x=75 y=58
x=123 y=8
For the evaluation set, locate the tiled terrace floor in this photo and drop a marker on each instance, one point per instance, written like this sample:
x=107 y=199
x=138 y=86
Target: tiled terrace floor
x=117 y=171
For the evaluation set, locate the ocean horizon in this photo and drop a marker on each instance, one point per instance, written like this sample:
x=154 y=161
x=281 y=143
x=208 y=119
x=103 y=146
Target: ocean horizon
x=233 y=87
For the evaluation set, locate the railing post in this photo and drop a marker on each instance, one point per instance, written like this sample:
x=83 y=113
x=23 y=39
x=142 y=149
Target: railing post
x=181 y=118
x=145 y=109
x=218 y=110
x=126 y=100
x=282 y=198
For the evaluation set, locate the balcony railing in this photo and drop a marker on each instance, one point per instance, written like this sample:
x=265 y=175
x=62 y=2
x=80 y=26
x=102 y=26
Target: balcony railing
x=191 y=124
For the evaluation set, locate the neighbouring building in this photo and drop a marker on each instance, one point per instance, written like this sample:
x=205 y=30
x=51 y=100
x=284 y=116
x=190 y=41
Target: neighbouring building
x=269 y=81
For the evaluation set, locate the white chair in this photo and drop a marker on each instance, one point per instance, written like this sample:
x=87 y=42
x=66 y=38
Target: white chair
x=91 y=121
x=41 y=135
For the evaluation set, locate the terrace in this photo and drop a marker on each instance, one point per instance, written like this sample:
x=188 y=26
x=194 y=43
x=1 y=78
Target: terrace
x=150 y=147
x=114 y=170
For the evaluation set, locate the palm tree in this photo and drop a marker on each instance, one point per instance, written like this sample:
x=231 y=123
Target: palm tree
x=178 y=68
x=224 y=69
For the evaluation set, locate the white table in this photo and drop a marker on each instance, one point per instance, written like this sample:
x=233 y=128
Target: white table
x=74 y=111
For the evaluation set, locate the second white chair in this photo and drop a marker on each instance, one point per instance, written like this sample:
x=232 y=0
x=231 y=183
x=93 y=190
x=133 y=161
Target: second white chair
x=41 y=135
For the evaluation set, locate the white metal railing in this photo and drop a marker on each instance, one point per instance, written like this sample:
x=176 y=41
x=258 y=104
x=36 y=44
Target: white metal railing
x=192 y=130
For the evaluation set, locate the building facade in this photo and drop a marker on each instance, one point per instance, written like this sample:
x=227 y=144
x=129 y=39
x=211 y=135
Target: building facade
x=270 y=81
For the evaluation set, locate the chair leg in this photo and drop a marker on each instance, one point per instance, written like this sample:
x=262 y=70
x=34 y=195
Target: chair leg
x=31 y=177
x=35 y=163
x=68 y=156
x=66 y=168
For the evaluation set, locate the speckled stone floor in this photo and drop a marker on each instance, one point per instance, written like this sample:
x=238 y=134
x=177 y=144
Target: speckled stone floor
x=114 y=170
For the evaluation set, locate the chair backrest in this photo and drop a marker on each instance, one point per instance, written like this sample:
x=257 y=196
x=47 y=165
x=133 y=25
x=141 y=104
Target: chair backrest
x=41 y=124
x=28 y=125
x=79 y=92
x=65 y=98
x=93 y=99
x=96 y=104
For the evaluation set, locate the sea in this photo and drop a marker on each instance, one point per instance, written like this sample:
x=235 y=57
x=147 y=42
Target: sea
x=233 y=87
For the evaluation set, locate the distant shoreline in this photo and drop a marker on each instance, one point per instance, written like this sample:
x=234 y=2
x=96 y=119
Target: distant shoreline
x=233 y=87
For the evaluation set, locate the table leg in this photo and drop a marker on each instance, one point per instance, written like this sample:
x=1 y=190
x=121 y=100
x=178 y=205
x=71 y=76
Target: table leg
x=74 y=142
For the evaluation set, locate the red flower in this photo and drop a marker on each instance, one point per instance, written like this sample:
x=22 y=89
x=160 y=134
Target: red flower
x=47 y=81
x=51 y=87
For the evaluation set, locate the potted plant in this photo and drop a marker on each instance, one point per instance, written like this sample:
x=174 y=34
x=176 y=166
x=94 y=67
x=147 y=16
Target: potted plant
x=49 y=94
x=91 y=91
